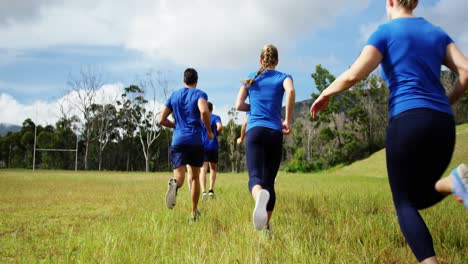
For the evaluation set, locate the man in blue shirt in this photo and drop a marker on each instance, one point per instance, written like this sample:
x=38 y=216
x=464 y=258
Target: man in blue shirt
x=189 y=107
x=211 y=153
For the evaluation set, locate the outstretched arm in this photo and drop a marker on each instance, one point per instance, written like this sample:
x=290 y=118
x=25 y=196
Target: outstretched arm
x=366 y=62
x=457 y=62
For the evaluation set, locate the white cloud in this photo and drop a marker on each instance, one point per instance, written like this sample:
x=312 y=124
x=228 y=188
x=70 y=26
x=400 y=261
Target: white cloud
x=42 y=112
x=222 y=33
x=450 y=15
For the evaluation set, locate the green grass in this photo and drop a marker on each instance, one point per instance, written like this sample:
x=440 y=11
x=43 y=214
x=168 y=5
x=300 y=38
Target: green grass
x=344 y=215
x=53 y=216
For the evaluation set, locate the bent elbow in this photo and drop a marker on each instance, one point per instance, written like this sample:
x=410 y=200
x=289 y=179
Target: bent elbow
x=237 y=106
x=352 y=78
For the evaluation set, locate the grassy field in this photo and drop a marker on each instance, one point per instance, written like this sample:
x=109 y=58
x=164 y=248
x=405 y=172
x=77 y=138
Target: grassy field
x=344 y=215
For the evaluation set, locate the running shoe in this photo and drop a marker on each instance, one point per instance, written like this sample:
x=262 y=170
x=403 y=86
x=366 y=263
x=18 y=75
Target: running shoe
x=460 y=183
x=171 y=193
x=211 y=194
x=203 y=196
x=259 y=215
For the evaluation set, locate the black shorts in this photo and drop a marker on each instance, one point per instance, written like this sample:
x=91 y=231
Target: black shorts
x=182 y=155
x=211 y=156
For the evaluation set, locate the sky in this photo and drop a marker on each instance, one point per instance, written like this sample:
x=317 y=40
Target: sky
x=46 y=43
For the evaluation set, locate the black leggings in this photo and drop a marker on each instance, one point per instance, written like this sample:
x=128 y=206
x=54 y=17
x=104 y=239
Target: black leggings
x=264 y=150
x=419 y=148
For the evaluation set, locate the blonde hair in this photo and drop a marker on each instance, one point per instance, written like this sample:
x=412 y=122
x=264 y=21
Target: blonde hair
x=269 y=57
x=408 y=4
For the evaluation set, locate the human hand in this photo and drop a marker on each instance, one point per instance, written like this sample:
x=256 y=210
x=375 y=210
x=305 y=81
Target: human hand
x=320 y=104
x=286 y=127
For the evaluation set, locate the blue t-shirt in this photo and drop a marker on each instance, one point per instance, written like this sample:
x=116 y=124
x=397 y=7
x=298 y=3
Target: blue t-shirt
x=211 y=144
x=413 y=51
x=188 y=123
x=266 y=98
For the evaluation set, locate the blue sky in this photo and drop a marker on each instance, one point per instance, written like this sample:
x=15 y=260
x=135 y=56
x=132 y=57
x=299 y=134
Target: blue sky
x=44 y=42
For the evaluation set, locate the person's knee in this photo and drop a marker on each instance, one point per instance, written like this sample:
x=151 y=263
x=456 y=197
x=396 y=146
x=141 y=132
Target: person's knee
x=213 y=166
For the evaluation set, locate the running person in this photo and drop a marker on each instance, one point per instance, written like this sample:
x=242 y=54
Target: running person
x=211 y=153
x=421 y=130
x=265 y=89
x=189 y=106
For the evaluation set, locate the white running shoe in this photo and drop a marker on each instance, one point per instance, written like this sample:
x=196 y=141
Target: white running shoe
x=211 y=194
x=260 y=216
x=203 y=196
x=171 y=193
x=460 y=183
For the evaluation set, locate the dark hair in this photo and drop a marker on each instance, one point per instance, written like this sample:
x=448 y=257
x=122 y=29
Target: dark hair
x=210 y=106
x=190 y=76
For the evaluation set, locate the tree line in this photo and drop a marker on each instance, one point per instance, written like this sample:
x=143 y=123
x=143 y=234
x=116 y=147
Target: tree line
x=124 y=135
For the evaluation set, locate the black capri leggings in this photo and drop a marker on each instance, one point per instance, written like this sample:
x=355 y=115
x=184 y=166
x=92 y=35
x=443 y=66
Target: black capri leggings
x=264 y=150
x=419 y=147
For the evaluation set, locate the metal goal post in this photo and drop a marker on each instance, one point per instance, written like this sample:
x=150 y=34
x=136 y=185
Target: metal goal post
x=59 y=150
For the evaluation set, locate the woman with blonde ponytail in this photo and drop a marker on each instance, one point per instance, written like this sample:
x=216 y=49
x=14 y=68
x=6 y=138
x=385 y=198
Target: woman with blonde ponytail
x=264 y=137
x=421 y=130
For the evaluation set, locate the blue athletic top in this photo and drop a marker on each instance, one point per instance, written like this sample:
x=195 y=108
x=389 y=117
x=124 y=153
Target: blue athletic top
x=413 y=51
x=211 y=144
x=188 y=123
x=266 y=97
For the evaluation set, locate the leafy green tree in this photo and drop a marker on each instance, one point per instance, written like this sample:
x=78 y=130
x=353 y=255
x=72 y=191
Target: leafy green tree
x=144 y=122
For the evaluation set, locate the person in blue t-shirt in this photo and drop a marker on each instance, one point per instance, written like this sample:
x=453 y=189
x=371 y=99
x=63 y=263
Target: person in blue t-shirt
x=211 y=153
x=189 y=108
x=264 y=137
x=420 y=135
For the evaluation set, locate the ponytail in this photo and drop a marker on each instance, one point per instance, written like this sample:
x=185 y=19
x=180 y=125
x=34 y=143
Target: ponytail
x=269 y=57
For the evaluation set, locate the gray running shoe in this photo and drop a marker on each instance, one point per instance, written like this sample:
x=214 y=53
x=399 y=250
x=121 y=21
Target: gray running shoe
x=211 y=194
x=203 y=196
x=259 y=215
x=171 y=193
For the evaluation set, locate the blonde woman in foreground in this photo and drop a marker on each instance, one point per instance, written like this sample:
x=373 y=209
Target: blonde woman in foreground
x=421 y=130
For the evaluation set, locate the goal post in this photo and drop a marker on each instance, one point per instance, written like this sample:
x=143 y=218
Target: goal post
x=52 y=150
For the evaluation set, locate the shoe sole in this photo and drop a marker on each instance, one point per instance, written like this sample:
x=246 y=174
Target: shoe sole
x=259 y=215
x=171 y=195
x=460 y=189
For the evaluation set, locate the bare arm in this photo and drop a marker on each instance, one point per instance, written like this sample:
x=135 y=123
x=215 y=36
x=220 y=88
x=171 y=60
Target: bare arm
x=457 y=62
x=242 y=132
x=205 y=115
x=366 y=62
x=240 y=102
x=219 y=127
x=163 y=121
x=290 y=100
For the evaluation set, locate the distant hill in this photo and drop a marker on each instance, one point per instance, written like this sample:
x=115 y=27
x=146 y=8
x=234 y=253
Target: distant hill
x=375 y=166
x=301 y=109
x=5 y=128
